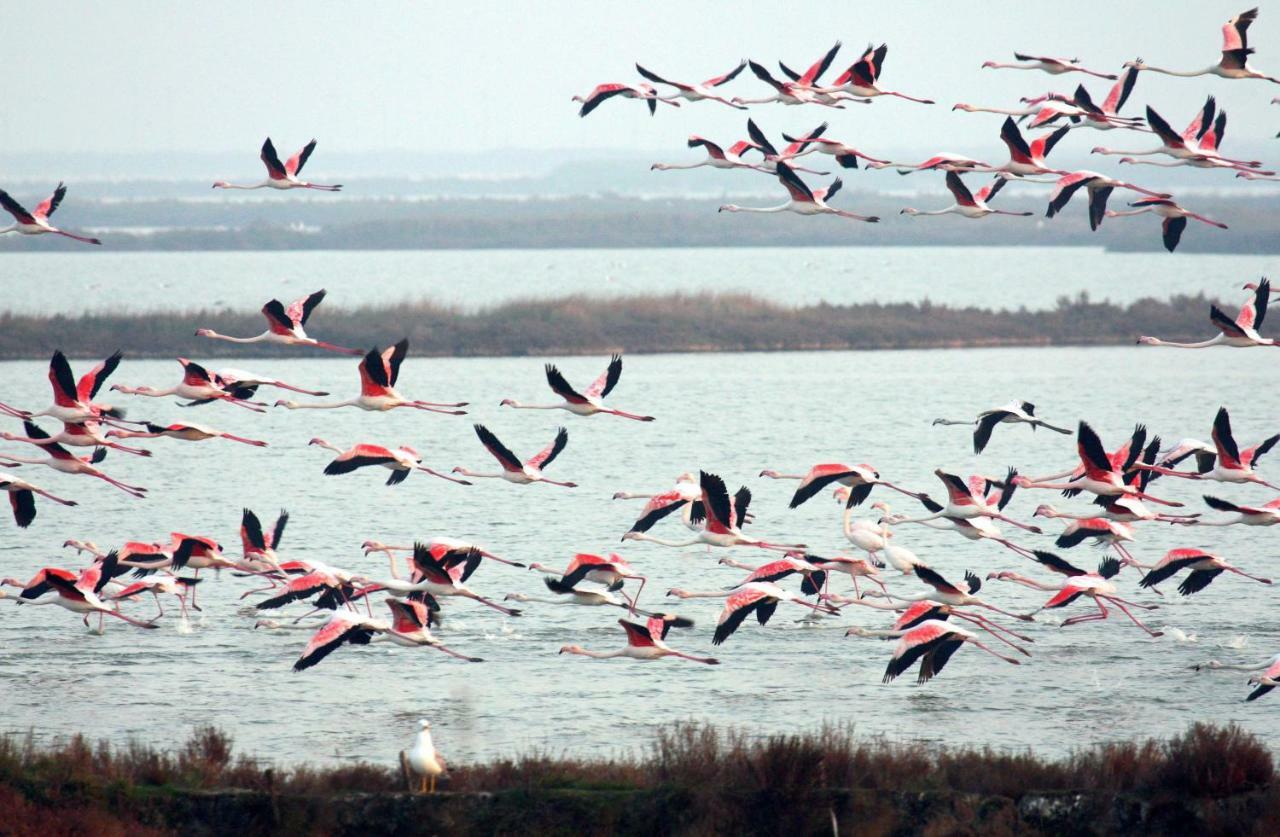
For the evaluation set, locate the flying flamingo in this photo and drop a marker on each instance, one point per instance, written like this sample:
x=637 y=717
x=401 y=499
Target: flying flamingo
x=168 y=584
x=859 y=478
x=817 y=570
x=1205 y=154
x=1198 y=142
x=1026 y=159
x=686 y=495
x=1233 y=465
x=1042 y=113
x=197 y=385
x=966 y=203
x=1097 y=586
x=846 y=155
x=399 y=461
x=724 y=519
x=438 y=547
x=443 y=576
x=861 y=77
x=586 y=598
x=282 y=175
x=186 y=431
x=61 y=459
x=1118 y=509
x=644 y=642
x=974 y=529
x=1100 y=475
x=73 y=400
x=1233 y=64
x=258 y=546
x=792 y=563
x=1264 y=515
x=513 y=470
x=1204 y=566
x=978 y=497
x=700 y=91
x=78 y=593
x=285 y=327
x=611 y=571
x=379 y=372
x=717 y=157
x=22 y=498
x=788 y=155
x=804 y=201
x=1052 y=66
x=924 y=610
x=1099 y=188
x=1175 y=218
x=249 y=382
x=1240 y=333
x=588 y=403
x=1265 y=682
x=947 y=593
x=86 y=435
x=1015 y=412
x=802 y=90
x=408 y=628
x=1100 y=529
x=603 y=92
x=758 y=597
x=944 y=161
x=37 y=223
x=932 y=643
x=1107 y=116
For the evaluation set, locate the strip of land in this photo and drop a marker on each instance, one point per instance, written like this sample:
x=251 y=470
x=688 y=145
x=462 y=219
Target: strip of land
x=691 y=780
x=641 y=324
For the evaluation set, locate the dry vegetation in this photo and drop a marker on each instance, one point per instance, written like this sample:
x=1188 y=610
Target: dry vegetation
x=590 y=325
x=693 y=779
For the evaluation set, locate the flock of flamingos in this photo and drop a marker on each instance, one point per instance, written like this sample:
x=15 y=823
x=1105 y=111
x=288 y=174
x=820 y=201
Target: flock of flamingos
x=930 y=625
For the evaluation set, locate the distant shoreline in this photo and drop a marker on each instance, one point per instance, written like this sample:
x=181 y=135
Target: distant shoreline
x=580 y=325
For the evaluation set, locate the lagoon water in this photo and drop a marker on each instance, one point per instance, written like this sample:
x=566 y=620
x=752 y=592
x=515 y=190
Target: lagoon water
x=732 y=414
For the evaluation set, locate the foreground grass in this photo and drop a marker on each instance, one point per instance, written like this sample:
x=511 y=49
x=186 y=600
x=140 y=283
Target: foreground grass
x=692 y=779
x=591 y=325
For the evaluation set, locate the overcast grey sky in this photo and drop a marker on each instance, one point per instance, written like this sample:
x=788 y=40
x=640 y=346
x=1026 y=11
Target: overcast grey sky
x=436 y=76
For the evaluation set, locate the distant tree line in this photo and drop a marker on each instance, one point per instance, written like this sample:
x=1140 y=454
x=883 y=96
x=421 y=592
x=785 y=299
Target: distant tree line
x=646 y=324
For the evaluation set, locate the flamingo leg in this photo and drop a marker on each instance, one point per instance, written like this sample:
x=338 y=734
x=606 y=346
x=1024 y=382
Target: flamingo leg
x=1150 y=632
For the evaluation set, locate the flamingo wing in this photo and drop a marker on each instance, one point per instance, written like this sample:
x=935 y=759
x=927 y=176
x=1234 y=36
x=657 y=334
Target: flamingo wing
x=1090 y=449
x=913 y=645
x=270 y=159
x=764 y=75
x=1235 y=33
x=1253 y=454
x=1171 y=232
x=547 y=455
x=297 y=161
x=1120 y=91
x=251 y=532
x=638 y=636
x=63 y=382
x=715 y=498
x=714 y=150
x=1224 y=441
x=601 y=94
x=360 y=456
x=1012 y=138
x=935 y=580
x=393 y=357
x=799 y=191
x=508 y=460
x=1065 y=189
x=819 y=67
x=373 y=372
x=93 y=380
x=654 y=77
x=818 y=478
x=300 y=309
x=337 y=632
x=1041 y=146
x=759 y=138
x=658 y=507
x=15 y=209
x=1163 y=129
x=1057 y=563
x=959 y=191
x=278 y=318
x=608 y=379
x=716 y=81
x=1203 y=121
x=561 y=386
x=407 y=617
x=831 y=191
x=50 y=204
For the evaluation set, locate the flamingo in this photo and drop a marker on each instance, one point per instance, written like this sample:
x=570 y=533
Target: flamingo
x=442 y=574
x=282 y=175
x=1099 y=187
x=802 y=90
x=724 y=519
x=804 y=201
x=700 y=91
x=1105 y=117
x=790 y=564
x=1118 y=509
x=37 y=223
x=1265 y=682
x=408 y=628
x=966 y=203
x=861 y=77
x=947 y=593
x=197 y=385
x=1026 y=159
x=772 y=156
x=240 y=379
x=1205 y=154
x=1234 y=63
x=1232 y=464
x=945 y=161
x=1264 y=515
x=1052 y=66
x=379 y=372
x=611 y=571
x=977 y=497
x=1096 y=586
x=168 y=584
x=974 y=529
x=424 y=759
x=1175 y=218
x=73 y=400
x=603 y=92
x=86 y=435
x=78 y=593
x=1100 y=475
x=285 y=327
x=917 y=613
x=644 y=642
x=1014 y=412
x=846 y=155
x=1240 y=333
x=1101 y=529
x=513 y=470
x=588 y=403
x=687 y=495
x=186 y=431
x=818 y=580
x=61 y=459
x=183 y=551
x=758 y=597
x=258 y=546
x=1196 y=145
x=22 y=498
x=717 y=157
x=1043 y=113
x=932 y=643
x=1204 y=566
x=438 y=547
x=399 y=461
x=586 y=598
x=859 y=478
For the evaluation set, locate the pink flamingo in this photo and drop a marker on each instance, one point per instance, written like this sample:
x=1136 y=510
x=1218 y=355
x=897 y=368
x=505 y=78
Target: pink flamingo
x=788 y=155
x=701 y=91
x=1267 y=514
x=611 y=571
x=1175 y=218
x=846 y=155
x=443 y=576
x=61 y=459
x=86 y=435
x=944 y=161
x=78 y=593
x=22 y=498
x=967 y=204
x=1233 y=465
x=861 y=77
x=400 y=461
x=644 y=642
x=1096 y=586
x=1100 y=475
x=917 y=613
x=282 y=175
x=588 y=403
x=604 y=92
x=717 y=157
x=1198 y=141
x=1099 y=188
x=859 y=478
x=408 y=627
x=758 y=597
x=1204 y=566
x=1045 y=64
x=379 y=372
x=37 y=223
x=932 y=643
x=513 y=470
x=724 y=519
x=197 y=385
x=186 y=431
x=73 y=400
x=948 y=593
x=804 y=201
x=285 y=326
x=1234 y=63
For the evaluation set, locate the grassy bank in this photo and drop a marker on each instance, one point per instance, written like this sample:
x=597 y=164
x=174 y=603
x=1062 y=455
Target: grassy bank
x=590 y=325
x=691 y=780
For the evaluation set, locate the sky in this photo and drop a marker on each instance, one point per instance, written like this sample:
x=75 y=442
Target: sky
x=428 y=77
